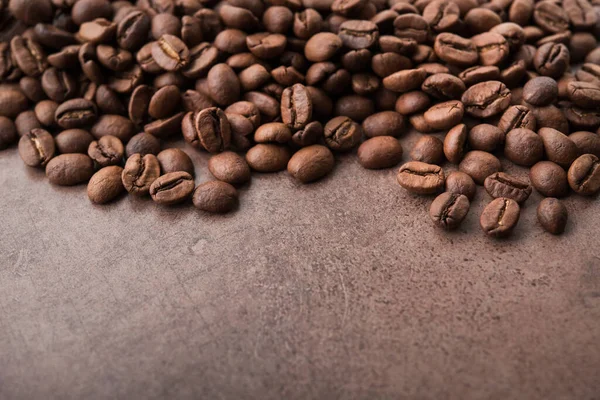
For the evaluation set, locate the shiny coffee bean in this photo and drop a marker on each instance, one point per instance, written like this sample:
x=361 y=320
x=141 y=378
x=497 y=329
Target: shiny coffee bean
x=73 y=141
x=448 y=210
x=479 y=165
x=70 y=169
x=428 y=149
x=501 y=184
x=500 y=217
x=174 y=160
x=229 y=167
x=139 y=174
x=421 y=178
x=105 y=185
x=311 y=163
x=172 y=188
x=215 y=197
x=523 y=147
x=584 y=175
x=549 y=179
x=552 y=215
x=380 y=152
x=36 y=148
x=461 y=183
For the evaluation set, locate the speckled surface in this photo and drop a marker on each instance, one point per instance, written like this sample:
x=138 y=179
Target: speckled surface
x=340 y=289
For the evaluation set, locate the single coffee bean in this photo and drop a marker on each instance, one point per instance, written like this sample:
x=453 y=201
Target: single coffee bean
x=584 y=175
x=269 y=107
x=492 y=48
x=114 y=125
x=404 y=81
x=550 y=117
x=166 y=127
x=36 y=148
x=380 y=152
x=229 y=167
x=268 y=157
x=558 y=147
x=193 y=100
x=358 y=34
x=479 y=165
x=412 y=102
x=385 y=123
x=139 y=173
x=172 y=188
x=514 y=74
x=208 y=129
x=549 y=179
x=513 y=33
x=70 y=169
x=502 y=184
x=254 y=77
x=448 y=210
x=418 y=122
x=26 y=121
x=28 y=55
x=241 y=126
x=276 y=132
x=500 y=217
x=589 y=72
x=584 y=94
x=442 y=15
x=523 y=147
x=485 y=99
x=98 y=31
x=342 y=134
x=421 y=178
x=551 y=59
x=486 y=137
x=142 y=143
x=311 y=163
x=444 y=115
x=12 y=101
x=139 y=103
x=477 y=74
x=455 y=50
x=215 y=197
x=108 y=150
x=354 y=107
x=164 y=102
x=174 y=160
x=170 y=53
x=105 y=185
x=311 y=134
x=428 y=149
x=238 y=17
x=517 y=117
x=481 y=19
x=31 y=88
x=223 y=84
x=296 y=106
x=30 y=12
x=552 y=215
x=266 y=45
x=521 y=11
x=8 y=133
x=443 y=86
x=550 y=17
x=586 y=142
x=73 y=141
x=76 y=113
x=58 y=85
x=385 y=64
x=461 y=183
x=540 y=91
x=455 y=143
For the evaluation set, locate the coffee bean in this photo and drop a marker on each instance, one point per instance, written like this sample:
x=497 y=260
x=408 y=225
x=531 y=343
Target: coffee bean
x=275 y=132
x=358 y=34
x=455 y=143
x=268 y=157
x=311 y=134
x=28 y=55
x=380 y=152
x=492 y=48
x=404 y=81
x=31 y=12
x=114 y=125
x=70 y=169
x=479 y=165
x=558 y=147
x=36 y=148
x=12 y=101
x=412 y=102
x=540 y=91
x=105 y=185
x=266 y=45
x=365 y=84
x=354 y=107
x=165 y=23
x=209 y=129
x=552 y=215
x=170 y=53
x=385 y=64
x=215 y=197
x=172 y=188
x=523 y=147
x=411 y=26
x=500 y=217
x=444 y=115
x=73 y=141
x=550 y=17
x=485 y=99
x=174 y=160
x=517 y=117
x=26 y=121
x=513 y=33
x=342 y=134
x=166 y=127
x=551 y=59
x=193 y=100
x=142 y=143
x=254 y=77
x=501 y=184
x=421 y=178
x=443 y=86
x=455 y=50
x=461 y=183
x=442 y=16
x=296 y=106
x=448 y=210
x=311 y=163
x=385 y=123
x=418 y=122
x=584 y=175
x=589 y=72
x=486 y=137
x=76 y=113
x=108 y=150
x=229 y=167
x=223 y=84
x=584 y=94
x=549 y=179
x=428 y=149
x=477 y=74
x=8 y=133
x=586 y=142
x=480 y=20
x=139 y=173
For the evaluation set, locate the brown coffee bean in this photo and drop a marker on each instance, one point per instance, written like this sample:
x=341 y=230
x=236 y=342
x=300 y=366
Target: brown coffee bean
x=517 y=117
x=551 y=59
x=444 y=115
x=164 y=102
x=486 y=99
x=479 y=165
x=523 y=147
x=105 y=185
x=549 y=179
x=223 y=84
x=421 y=178
x=385 y=123
x=108 y=150
x=139 y=173
x=311 y=134
x=443 y=86
x=448 y=210
x=455 y=143
x=478 y=74
x=8 y=133
x=268 y=157
x=208 y=129
x=442 y=15
x=174 y=160
x=296 y=106
x=550 y=117
x=500 y=217
x=275 y=132
x=172 y=188
x=76 y=113
x=550 y=17
x=502 y=184
x=455 y=50
x=70 y=169
x=311 y=163
x=358 y=34
x=552 y=215
x=540 y=91
x=492 y=48
x=266 y=45
x=355 y=107
x=428 y=149
x=166 y=127
x=215 y=197
x=26 y=121
x=584 y=94
x=584 y=175
x=412 y=102
x=12 y=101
x=461 y=183
x=342 y=134
x=385 y=64
x=36 y=148
x=114 y=125
x=73 y=141
x=229 y=167
x=418 y=122
x=404 y=81
x=170 y=53
x=142 y=143
x=558 y=147
x=586 y=142
x=380 y=152
x=28 y=55
x=486 y=137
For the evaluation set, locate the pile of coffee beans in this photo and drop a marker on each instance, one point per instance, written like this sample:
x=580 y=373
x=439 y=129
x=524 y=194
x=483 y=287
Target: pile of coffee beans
x=97 y=89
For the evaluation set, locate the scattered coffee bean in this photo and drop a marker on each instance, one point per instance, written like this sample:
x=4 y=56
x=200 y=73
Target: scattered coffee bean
x=455 y=143
x=479 y=165
x=342 y=134
x=36 y=148
x=552 y=215
x=139 y=173
x=105 y=185
x=172 y=188
x=523 y=147
x=421 y=178
x=70 y=169
x=384 y=123
x=584 y=175
x=428 y=149
x=485 y=99
x=461 y=183
x=311 y=163
x=215 y=197
x=229 y=167
x=501 y=184
x=73 y=141
x=486 y=137
x=380 y=152
x=558 y=147
x=449 y=209
x=500 y=217
x=540 y=91
x=268 y=157
x=108 y=150
x=174 y=160
x=549 y=179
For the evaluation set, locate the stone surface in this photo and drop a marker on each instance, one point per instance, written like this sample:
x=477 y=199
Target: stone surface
x=339 y=289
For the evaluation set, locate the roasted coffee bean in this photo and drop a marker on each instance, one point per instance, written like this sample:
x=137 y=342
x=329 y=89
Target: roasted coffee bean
x=502 y=184
x=552 y=215
x=500 y=217
x=584 y=175
x=113 y=58
x=311 y=134
x=584 y=94
x=480 y=20
x=479 y=165
x=588 y=73
x=105 y=185
x=356 y=60
x=492 y=48
x=477 y=74
x=517 y=117
x=275 y=132
x=193 y=100
x=164 y=102
x=412 y=102
x=209 y=129
x=32 y=89
x=385 y=64
x=165 y=23
x=311 y=163
x=580 y=44
x=586 y=142
x=342 y=134
x=70 y=169
x=108 y=150
x=142 y=143
x=550 y=117
x=28 y=55
x=513 y=33
x=170 y=53
x=443 y=86
x=355 y=107
x=229 y=167
x=97 y=31
x=114 y=125
x=380 y=152
x=404 y=81
x=172 y=188
x=550 y=17
x=215 y=197
x=8 y=133
x=461 y=183
x=269 y=107
x=266 y=45
x=455 y=50
x=418 y=122
x=523 y=147
x=365 y=84
x=65 y=58
x=421 y=178
x=442 y=15
x=486 y=99
x=358 y=34
x=30 y=12
x=411 y=26
x=521 y=11
x=549 y=179
x=174 y=160
x=428 y=149
x=73 y=141
x=444 y=115
x=540 y=91
x=455 y=143
x=12 y=101
x=514 y=74
x=139 y=173
x=551 y=59
x=558 y=147
x=36 y=148
x=486 y=137
x=296 y=106
x=448 y=210
x=166 y=127
x=58 y=85
x=26 y=121
x=223 y=84
x=108 y=101
x=268 y=157
x=45 y=111
x=75 y=113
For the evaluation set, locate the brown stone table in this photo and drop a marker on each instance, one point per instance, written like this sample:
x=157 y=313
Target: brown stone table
x=339 y=289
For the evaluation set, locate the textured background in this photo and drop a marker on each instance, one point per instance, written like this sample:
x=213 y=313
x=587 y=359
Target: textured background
x=339 y=289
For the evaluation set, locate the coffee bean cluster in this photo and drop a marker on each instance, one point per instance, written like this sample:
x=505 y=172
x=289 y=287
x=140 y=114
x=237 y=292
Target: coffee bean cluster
x=96 y=90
